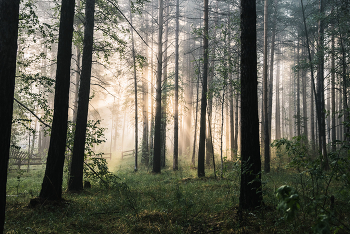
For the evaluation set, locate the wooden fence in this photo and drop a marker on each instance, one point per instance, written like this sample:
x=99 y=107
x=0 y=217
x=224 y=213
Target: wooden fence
x=21 y=158
x=128 y=153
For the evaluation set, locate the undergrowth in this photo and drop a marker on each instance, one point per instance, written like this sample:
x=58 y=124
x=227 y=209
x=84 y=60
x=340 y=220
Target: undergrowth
x=170 y=202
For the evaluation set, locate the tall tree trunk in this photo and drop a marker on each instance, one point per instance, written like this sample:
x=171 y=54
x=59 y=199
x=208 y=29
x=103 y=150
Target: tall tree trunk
x=222 y=129
x=333 y=113
x=250 y=192
x=145 y=148
x=278 y=108
x=201 y=150
x=298 y=118
x=340 y=118
x=135 y=90
x=52 y=183
x=209 y=140
x=195 y=122
x=188 y=98
x=227 y=130
x=320 y=89
x=265 y=97
x=77 y=165
x=236 y=123
x=165 y=84
x=305 y=120
x=345 y=129
x=291 y=95
x=77 y=72
x=9 y=11
x=158 y=118
x=176 y=116
x=283 y=112
x=151 y=135
x=312 y=121
x=232 y=123
x=270 y=88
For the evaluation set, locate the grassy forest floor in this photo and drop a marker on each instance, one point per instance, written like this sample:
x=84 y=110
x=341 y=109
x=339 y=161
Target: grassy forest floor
x=170 y=202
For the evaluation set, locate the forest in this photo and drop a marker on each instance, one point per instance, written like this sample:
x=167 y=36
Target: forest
x=174 y=116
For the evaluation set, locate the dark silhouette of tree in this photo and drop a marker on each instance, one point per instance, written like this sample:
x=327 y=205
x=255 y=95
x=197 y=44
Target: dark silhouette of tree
x=176 y=116
x=165 y=85
x=250 y=192
x=52 y=182
x=135 y=87
x=77 y=165
x=265 y=116
x=201 y=150
x=9 y=11
x=158 y=118
x=320 y=88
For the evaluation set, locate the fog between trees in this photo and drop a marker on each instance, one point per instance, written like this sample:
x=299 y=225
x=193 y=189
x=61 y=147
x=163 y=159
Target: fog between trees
x=302 y=79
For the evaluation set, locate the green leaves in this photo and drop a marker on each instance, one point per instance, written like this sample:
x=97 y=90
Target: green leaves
x=289 y=201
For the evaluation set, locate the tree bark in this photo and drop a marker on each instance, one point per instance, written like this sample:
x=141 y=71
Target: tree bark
x=305 y=120
x=9 y=12
x=165 y=84
x=265 y=97
x=334 y=131
x=250 y=192
x=135 y=90
x=145 y=148
x=278 y=108
x=176 y=116
x=151 y=134
x=158 y=118
x=77 y=165
x=77 y=72
x=232 y=124
x=291 y=95
x=201 y=150
x=52 y=183
x=298 y=119
x=320 y=89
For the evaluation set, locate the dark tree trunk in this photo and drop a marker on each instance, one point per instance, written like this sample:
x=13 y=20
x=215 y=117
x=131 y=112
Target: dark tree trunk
x=77 y=165
x=265 y=97
x=77 y=72
x=227 y=130
x=158 y=118
x=209 y=138
x=298 y=119
x=291 y=95
x=135 y=91
x=145 y=152
x=165 y=89
x=334 y=132
x=270 y=88
x=250 y=192
x=320 y=89
x=176 y=116
x=278 y=108
x=52 y=184
x=196 y=117
x=201 y=150
x=312 y=121
x=151 y=134
x=232 y=124
x=305 y=120
x=9 y=11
